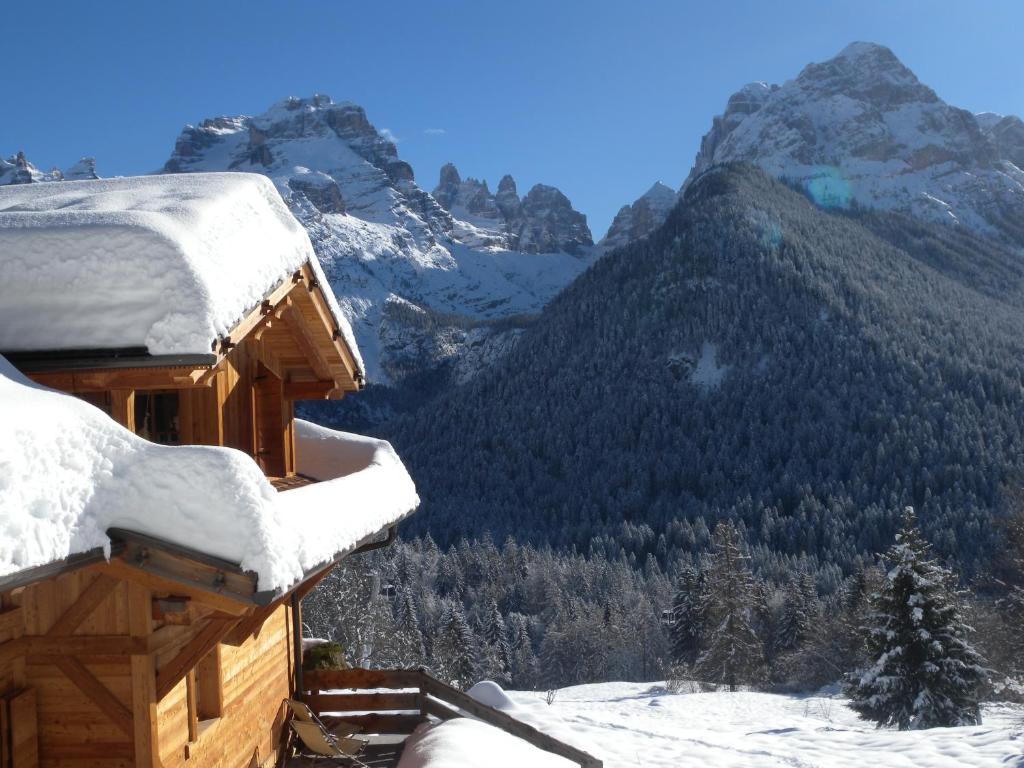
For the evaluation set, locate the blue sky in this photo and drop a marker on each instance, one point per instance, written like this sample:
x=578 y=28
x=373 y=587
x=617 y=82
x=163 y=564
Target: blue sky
x=599 y=98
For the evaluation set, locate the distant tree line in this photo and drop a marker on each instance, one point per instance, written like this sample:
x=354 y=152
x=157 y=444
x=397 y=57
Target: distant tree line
x=537 y=619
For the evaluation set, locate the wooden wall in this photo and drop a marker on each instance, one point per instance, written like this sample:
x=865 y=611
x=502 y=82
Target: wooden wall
x=87 y=645
x=74 y=729
x=256 y=677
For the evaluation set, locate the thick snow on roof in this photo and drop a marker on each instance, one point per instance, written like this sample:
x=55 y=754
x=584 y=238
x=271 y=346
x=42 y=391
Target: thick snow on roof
x=167 y=262
x=68 y=473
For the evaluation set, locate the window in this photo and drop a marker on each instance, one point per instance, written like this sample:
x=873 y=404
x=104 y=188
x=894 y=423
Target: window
x=204 y=694
x=156 y=417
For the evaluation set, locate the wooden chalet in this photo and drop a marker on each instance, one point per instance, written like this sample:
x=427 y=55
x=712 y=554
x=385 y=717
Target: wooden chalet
x=152 y=653
x=164 y=656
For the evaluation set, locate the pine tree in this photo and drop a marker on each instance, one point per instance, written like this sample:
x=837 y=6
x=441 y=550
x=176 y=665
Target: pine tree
x=497 y=662
x=733 y=653
x=798 y=614
x=455 y=647
x=688 y=615
x=409 y=637
x=924 y=673
x=525 y=670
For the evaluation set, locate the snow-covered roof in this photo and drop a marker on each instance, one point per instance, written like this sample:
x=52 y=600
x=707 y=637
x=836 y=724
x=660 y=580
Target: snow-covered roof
x=68 y=473
x=169 y=262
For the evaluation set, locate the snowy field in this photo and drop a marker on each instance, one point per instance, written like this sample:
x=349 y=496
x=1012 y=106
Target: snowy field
x=640 y=724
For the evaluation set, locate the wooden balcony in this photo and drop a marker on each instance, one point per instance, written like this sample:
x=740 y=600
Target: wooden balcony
x=390 y=704
x=291 y=482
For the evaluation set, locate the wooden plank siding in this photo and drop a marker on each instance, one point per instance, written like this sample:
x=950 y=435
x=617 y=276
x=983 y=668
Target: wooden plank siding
x=97 y=705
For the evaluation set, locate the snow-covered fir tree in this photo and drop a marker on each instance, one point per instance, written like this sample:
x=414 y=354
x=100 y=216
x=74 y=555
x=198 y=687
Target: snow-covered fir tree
x=923 y=671
x=408 y=636
x=455 y=648
x=733 y=653
x=688 y=615
x=525 y=666
x=799 y=613
x=497 y=655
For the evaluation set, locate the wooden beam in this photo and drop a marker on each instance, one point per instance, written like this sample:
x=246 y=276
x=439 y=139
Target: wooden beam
x=363 y=702
x=293 y=319
x=96 y=692
x=308 y=390
x=186 y=583
x=391 y=724
x=261 y=311
x=124 y=378
x=191 y=702
x=84 y=645
x=171 y=673
x=122 y=407
x=329 y=679
x=248 y=626
x=144 y=709
x=251 y=625
x=325 y=315
x=441 y=711
x=98 y=591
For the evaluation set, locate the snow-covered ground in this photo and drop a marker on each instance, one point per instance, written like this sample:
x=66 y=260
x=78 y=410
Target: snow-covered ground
x=640 y=724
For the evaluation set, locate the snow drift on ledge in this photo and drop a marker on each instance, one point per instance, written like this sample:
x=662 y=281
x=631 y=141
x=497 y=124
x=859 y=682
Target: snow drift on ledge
x=168 y=262
x=68 y=473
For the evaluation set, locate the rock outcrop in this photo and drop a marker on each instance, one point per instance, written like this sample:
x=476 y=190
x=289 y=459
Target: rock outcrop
x=543 y=221
x=643 y=216
x=18 y=170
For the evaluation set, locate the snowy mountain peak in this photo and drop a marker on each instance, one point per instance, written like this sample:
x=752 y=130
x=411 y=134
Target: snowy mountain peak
x=862 y=128
x=18 y=170
x=543 y=221
x=397 y=258
x=82 y=170
x=643 y=216
x=868 y=71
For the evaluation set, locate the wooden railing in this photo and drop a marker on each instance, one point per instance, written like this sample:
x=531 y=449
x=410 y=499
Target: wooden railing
x=412 y=697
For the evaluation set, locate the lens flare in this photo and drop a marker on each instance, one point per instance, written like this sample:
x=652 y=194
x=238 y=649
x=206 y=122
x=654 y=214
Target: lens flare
x=829 y=188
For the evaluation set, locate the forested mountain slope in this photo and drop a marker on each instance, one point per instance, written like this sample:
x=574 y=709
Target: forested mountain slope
x=809 y=372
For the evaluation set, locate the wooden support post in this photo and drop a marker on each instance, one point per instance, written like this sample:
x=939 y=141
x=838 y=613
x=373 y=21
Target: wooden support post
x=191 y=704
x=144 y=703
x=24 y=729
x=297 y=642
x=122 y=407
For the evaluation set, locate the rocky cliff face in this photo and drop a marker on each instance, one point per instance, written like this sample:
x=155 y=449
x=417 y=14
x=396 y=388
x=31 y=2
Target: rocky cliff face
x=647 y=213
x=861 y=128
x=544 y=221
x=18 y=170
x=394 y=253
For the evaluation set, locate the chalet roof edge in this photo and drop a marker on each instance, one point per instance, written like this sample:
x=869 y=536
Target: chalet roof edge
x=46 y=360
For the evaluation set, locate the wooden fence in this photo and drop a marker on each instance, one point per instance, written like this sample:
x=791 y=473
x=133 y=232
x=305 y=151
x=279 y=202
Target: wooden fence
x=411 y=697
